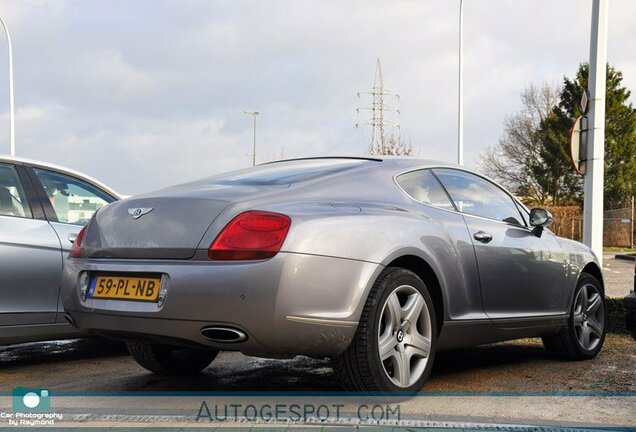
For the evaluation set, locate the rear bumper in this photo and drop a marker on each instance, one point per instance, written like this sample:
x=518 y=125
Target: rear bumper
x=629 y=303
x=288 y=305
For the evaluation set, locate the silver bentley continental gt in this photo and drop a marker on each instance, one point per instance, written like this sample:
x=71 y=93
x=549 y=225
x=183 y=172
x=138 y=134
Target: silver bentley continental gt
x=376 y=263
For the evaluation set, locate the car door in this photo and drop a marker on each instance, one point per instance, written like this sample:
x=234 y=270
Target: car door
x=30 y=258
x=522 y=275
x=452 y=246
x=69 y=203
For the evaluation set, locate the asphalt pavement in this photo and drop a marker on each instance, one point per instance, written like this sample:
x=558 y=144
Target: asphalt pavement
x=618 y=276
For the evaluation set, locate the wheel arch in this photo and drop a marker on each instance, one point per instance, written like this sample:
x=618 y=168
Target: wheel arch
x=593 y=269
x=424 y=271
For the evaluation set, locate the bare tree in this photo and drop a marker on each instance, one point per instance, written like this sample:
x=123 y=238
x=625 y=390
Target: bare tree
x=519 y=149
x=395 y=146
x=276 y=156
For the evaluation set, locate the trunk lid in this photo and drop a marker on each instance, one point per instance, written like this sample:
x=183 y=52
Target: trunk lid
x=169 y=228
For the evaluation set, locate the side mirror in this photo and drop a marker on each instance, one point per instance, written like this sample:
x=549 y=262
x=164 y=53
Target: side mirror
x=540 y=219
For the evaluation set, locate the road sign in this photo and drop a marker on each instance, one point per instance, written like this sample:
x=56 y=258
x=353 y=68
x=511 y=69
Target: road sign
x=578 y=144
x=584 y=100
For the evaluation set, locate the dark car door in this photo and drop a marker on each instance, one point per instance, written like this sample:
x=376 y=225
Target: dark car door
x=30 y=258
x=521 y=275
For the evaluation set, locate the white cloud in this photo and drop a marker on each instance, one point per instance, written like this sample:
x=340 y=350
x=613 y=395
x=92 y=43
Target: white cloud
x=106 y=74
x=144 y=93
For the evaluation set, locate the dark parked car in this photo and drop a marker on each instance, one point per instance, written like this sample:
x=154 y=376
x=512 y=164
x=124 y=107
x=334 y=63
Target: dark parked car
x=630 y=308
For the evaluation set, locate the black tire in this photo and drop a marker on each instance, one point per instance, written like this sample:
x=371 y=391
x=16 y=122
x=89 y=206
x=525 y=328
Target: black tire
x=359 y=368
x=170 y=360
x=565 y=344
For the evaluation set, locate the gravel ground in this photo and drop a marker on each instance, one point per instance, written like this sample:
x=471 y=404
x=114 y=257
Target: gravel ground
x=82 y=365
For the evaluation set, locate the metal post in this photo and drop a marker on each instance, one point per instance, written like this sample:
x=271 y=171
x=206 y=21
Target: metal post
x=460 y=100
x=631 y=233
x=254 y=146
x=254 y=114
x=594 y=176
x=11 y=111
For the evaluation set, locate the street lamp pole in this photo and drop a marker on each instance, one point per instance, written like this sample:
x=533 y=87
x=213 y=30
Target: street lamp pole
x=460 y=100
x=253 y=114
x=11 y=111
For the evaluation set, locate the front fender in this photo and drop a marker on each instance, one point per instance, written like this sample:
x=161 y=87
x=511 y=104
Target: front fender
x=579 y=258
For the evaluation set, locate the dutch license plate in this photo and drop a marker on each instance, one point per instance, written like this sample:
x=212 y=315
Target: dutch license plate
x=125 y=288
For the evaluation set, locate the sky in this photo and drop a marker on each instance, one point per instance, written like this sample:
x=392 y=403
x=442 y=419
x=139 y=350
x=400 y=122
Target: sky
x=145 y=94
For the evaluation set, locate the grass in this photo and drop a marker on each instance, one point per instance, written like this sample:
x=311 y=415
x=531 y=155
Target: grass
x=615 y=249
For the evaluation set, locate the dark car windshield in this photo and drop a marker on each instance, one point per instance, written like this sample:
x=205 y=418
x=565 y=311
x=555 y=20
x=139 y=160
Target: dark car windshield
x=282 y=173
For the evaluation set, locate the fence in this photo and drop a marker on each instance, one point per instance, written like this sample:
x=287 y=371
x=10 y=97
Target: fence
x=618 y=227
x=618 y=224
x=567 y=222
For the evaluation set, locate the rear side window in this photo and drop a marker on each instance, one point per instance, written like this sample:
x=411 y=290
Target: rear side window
x=13 y=201
x=74 y=201
x=477 y=196
x=423 y=187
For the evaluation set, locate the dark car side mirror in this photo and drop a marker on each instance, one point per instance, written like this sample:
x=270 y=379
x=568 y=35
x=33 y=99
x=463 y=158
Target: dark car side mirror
x=540 y=219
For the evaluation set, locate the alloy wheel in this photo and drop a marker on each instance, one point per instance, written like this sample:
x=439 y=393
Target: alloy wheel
x=589 y=317
x=404 y=336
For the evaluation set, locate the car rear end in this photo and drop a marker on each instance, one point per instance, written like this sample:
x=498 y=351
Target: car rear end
x=202 y=266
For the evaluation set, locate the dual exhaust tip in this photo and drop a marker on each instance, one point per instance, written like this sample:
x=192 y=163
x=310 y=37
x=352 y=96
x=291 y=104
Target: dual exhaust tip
x=223 y=334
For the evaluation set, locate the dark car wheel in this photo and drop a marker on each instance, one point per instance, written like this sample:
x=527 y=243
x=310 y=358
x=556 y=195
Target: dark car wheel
x=583 y=338
x=629 y=303
x=394 y=346
x=170 y=360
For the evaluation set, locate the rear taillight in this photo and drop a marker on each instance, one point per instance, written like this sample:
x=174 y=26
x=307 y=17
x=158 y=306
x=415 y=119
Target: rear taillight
x=252 y=235
x=76 y=248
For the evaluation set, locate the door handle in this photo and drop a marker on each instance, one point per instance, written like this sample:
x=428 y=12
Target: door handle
x=482 y=236
x=72 y=237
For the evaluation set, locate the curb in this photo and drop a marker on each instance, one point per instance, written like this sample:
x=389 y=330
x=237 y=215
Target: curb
x=626 y=257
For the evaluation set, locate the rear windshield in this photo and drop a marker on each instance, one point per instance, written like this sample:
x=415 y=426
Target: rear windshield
x=283 y=173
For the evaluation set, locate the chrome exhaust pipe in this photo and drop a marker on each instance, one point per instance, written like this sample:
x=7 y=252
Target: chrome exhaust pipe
x=69 y=319
x=223 y=334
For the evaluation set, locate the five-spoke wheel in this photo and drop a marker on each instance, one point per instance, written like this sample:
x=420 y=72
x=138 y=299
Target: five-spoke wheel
x=394 y=345
x=583 y=337
x=404 y=336
x=589 y=317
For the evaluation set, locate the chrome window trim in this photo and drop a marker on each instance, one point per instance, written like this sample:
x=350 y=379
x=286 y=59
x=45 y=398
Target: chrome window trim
x=450 y=200
x=432 y=167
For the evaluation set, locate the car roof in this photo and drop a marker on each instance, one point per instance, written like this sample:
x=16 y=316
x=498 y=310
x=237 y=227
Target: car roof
x=61 y=169
x=397 y=162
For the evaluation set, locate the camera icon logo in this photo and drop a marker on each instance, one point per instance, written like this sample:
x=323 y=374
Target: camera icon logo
x=31 y=400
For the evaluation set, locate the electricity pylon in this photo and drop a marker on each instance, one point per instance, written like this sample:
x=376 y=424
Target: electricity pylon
x=378 y=108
